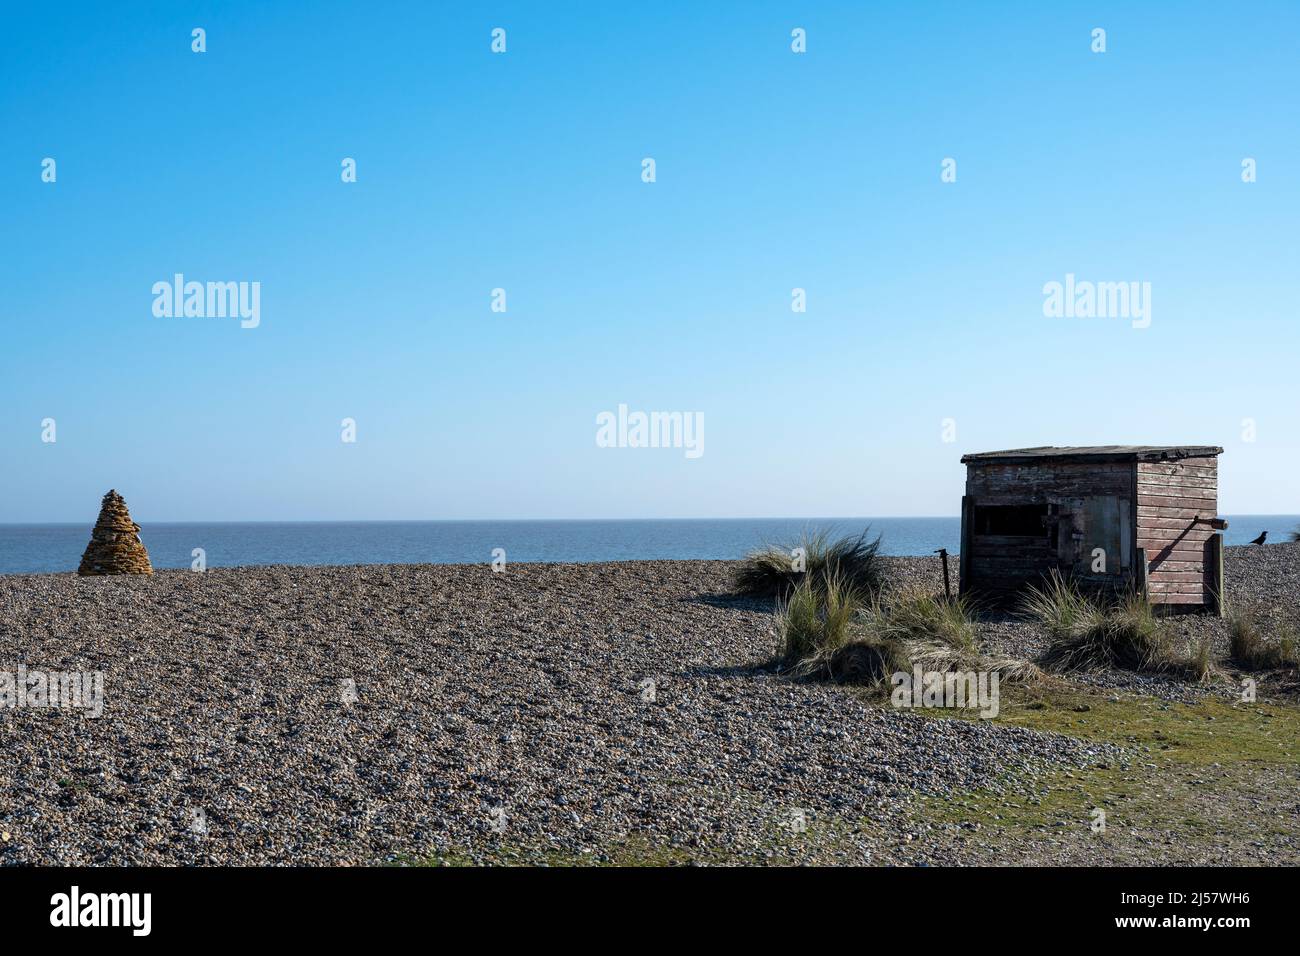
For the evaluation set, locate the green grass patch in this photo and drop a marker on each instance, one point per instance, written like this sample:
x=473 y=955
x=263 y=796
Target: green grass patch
x=1179 y=757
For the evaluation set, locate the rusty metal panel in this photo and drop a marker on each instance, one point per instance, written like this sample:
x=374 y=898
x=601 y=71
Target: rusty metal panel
x=1102 y=541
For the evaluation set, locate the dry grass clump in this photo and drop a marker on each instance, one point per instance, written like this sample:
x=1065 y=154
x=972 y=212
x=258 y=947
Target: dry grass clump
x=855 y=562
x=915 y=616
x=1086 y=635
x=830 y=632
x=947 y=659
x=1199 y=665
x=1251 y=650
x=813 y=622
x=819 y=637
x=867 y=662
x=939 y=634
x=1062 y=610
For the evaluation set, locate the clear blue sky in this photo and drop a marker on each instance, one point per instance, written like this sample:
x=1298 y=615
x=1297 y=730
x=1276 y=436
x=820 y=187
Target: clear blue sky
x=522 y=171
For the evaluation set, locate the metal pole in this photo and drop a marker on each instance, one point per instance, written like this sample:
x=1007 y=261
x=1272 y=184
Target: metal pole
x=947 y=589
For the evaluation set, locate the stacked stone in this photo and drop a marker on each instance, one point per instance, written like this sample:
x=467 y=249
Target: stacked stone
x=115 y=546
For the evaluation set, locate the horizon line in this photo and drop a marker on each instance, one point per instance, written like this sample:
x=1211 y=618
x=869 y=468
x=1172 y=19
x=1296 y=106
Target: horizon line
x=35 y=524
x=469 y=520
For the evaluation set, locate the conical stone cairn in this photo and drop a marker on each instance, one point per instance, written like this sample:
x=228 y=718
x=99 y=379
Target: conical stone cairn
x=115 y=546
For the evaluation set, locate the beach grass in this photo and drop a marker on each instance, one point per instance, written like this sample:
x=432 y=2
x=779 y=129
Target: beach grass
x=1253 y=651
x=914 y=615
x=1086 y=635
x=774 y=571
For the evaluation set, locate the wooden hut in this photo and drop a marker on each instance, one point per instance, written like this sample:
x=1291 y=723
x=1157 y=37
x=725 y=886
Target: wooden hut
x=1112 y=517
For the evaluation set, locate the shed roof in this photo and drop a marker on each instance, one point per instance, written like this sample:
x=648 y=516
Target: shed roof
x=1094 y=453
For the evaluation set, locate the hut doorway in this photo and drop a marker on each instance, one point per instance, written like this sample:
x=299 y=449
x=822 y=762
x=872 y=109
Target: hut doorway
x=1100 y=542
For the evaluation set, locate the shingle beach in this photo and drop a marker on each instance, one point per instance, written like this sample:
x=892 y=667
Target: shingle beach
x=373 y=714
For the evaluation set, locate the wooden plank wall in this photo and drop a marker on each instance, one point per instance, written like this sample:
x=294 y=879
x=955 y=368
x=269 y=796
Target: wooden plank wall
x=1006 y=564
x=1170 y=495
x=1000 y=566
x=992 y=484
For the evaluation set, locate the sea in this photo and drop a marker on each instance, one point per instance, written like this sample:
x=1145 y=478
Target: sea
x=43 y=548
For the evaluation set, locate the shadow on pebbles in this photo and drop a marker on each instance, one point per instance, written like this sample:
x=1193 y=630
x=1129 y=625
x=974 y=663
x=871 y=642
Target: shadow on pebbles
x=366 y=714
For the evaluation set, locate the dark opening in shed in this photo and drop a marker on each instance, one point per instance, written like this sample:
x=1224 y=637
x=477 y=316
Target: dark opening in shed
x=1022 y=521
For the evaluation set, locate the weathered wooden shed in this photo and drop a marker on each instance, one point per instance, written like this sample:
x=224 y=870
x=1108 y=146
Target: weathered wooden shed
x=1112 y=517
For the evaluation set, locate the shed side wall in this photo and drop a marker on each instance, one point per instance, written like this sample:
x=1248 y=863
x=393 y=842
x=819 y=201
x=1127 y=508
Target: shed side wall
x=1170 y=496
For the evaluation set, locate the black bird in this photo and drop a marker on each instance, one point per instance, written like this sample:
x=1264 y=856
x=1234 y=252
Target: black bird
x=1260 y=539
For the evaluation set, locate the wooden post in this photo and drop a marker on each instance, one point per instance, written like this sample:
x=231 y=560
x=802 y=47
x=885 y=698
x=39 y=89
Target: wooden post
x=1140 y=574
x=1214 y=574
x=947 y=588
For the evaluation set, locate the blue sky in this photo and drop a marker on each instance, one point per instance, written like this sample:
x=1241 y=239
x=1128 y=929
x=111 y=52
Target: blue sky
x=522 y=171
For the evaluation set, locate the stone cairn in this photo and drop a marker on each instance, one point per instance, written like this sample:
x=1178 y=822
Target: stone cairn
x=115 y=546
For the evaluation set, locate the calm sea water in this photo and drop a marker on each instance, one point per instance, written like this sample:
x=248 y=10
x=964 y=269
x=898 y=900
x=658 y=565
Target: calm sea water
x=57 y=547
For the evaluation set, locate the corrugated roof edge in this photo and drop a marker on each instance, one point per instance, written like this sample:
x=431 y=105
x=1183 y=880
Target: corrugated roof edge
x=1096 y=453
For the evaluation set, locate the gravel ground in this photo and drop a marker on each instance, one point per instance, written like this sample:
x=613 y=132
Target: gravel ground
x=495 y=716
x=484 y=702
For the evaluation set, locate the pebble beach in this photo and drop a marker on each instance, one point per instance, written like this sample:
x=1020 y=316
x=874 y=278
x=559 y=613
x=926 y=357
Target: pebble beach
x=381 y=714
